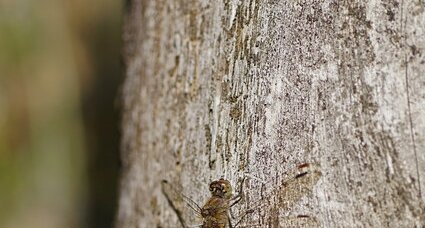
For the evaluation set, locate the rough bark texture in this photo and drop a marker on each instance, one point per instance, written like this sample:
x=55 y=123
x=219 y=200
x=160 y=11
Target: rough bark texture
x=232 y=88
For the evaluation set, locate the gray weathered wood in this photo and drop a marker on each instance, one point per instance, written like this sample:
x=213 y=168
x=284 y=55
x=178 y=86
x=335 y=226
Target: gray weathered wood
x=253 y=88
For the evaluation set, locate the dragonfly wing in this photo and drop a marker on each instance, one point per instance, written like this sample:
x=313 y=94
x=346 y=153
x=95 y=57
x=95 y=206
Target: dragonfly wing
x=300 y=182
x=290 y=222
x=298 y=221
x=186 y=209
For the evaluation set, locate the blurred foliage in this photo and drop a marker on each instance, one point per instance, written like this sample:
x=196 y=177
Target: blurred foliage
x=59 y=74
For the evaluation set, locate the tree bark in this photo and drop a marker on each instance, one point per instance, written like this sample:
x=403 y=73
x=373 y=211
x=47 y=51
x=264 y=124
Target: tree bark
x=252 y=88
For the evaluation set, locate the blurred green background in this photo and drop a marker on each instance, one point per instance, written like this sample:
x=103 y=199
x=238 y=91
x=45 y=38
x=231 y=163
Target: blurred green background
x=60 y=73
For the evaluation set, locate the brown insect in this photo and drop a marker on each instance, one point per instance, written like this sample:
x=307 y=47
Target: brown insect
x=215 y=212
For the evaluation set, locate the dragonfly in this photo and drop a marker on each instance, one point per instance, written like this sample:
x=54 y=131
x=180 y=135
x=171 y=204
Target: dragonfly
x=215 y=213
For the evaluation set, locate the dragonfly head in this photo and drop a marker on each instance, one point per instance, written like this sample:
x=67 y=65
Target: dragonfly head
x=221 y=188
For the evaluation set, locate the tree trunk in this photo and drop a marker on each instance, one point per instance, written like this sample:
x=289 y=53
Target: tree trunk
x=253 y=88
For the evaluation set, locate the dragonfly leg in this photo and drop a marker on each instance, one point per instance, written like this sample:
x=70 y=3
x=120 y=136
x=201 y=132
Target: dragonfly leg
x=247 y=212
x=239 y=196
